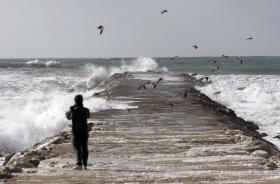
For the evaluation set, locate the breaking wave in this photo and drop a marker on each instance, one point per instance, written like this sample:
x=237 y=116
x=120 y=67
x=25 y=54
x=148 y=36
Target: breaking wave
x=252 y=97
x=38 y=62
x=34 y=100
x=100 y=73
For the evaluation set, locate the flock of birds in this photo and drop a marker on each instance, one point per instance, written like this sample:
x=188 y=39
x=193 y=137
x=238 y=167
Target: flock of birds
x=195 y=47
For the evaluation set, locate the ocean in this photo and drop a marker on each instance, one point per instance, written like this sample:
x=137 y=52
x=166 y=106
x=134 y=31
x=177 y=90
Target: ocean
x=36 y=93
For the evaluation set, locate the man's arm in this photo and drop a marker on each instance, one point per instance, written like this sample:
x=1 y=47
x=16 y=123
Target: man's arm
x=69 y=114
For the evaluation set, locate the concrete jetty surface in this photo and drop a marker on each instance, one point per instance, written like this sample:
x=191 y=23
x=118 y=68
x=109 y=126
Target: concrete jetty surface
x=175 y=135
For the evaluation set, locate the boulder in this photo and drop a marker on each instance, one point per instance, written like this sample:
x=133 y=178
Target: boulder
x=243 y=139
x=34 y=161
x=260 y=153
x=5 y=174
x=271 y=166
x=275 y=159
x=12 y=169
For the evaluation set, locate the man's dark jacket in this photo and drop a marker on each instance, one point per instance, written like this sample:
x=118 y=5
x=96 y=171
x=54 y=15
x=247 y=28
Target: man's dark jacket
x=79 y=116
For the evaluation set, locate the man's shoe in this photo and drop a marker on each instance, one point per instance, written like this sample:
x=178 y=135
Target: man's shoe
x=85 y=167
x=78 y=168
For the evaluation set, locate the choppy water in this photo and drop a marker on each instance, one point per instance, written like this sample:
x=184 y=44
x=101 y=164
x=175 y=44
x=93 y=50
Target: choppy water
x=35 y=93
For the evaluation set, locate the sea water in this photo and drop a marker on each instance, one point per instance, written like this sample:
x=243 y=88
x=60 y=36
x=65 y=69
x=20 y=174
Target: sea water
x=36 y=93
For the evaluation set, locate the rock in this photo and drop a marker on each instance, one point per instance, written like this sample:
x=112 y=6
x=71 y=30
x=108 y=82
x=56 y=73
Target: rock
x=243 y=139
x=22 y=164
x=251 y=125
x=58 y=140
x=225 y=110
x=30 y=171
x=271 y=166
x=7 y=158
x=11 y=158
x=97 y=94
x=35 y=162
x=263 y=134
x=260 y=153
x=275 y=159
x=233 y=131
x=277 y=136
x=5 y=175
x=13 y=169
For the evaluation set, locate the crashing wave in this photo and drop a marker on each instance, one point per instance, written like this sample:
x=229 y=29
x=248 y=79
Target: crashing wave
x=142 y=64
x=252 y=97
x=38 y=62
x=34 y=104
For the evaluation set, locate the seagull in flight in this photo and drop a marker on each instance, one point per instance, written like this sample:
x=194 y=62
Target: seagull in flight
x=101 y=29
x=238 y=60
x=163 y=11
x=195 y=47
x=250 y=38
x=173 y=58
x=225 y=56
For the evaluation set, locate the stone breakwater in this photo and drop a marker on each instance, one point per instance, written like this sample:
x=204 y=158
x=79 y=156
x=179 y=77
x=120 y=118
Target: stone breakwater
x=176 y=135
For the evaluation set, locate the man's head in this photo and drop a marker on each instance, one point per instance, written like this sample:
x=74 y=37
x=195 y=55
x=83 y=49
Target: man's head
x=78 y=100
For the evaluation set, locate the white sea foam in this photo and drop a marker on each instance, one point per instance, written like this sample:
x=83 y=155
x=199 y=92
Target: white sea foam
x=42 y=63
x=34 y=101
x=252 y=97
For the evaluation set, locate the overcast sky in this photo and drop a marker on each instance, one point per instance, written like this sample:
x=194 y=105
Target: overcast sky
x=67 y=28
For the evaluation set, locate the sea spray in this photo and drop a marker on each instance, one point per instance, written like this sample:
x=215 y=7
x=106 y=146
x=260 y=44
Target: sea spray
x=100 y=73
x=252 y=97
x=34 y=99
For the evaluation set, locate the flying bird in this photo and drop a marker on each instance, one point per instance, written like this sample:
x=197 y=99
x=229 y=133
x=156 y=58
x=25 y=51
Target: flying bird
x=155 y=85
x=216 y=69
x=101 y=29
x=201 y=79
x=173 y=58
x=160 y=79
x=163 y=11
x=225 y=56
x=238 y=60
x=141 y=86
x=195 y=47
x=250 y=38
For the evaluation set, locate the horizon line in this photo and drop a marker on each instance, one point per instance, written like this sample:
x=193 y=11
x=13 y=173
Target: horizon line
x=119 y=57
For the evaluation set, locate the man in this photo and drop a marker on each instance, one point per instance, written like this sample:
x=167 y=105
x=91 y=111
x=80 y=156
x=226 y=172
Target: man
x=79 y=115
